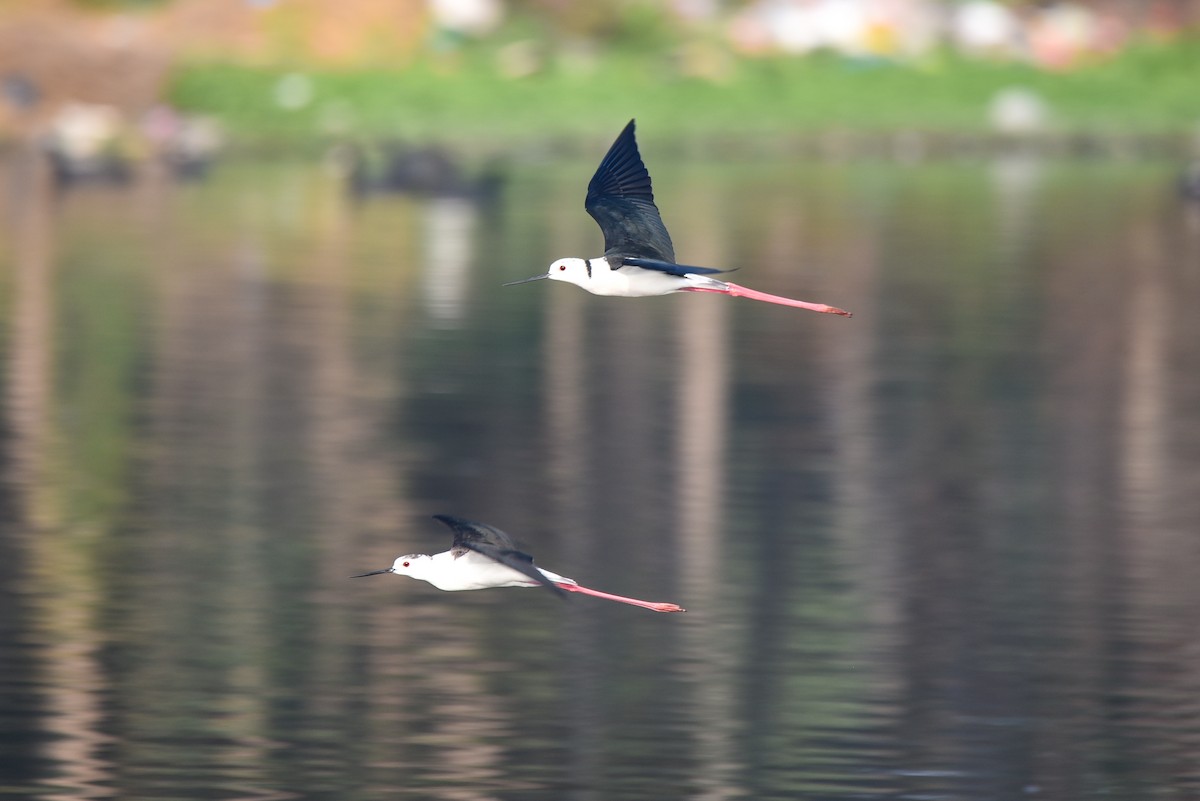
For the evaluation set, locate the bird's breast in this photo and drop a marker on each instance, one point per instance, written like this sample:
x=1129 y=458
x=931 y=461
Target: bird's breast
x=475 y=572
x=631 y=282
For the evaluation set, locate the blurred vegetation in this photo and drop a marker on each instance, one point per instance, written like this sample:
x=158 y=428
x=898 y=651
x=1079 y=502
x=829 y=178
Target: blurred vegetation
x=494 y=72
x=501 y=92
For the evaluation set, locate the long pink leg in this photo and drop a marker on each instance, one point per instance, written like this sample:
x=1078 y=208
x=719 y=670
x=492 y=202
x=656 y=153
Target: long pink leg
x=657 y=607
x=738 y=291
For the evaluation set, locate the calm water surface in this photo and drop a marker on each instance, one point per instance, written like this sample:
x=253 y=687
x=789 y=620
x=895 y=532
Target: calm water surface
x=948 y=549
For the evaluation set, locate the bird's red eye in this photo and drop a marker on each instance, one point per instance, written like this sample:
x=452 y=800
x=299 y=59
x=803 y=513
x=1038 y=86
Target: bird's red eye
x=562 y=267
x=406 y=564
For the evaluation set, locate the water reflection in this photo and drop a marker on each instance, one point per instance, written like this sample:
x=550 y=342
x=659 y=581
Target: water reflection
x=449 y=243
x=945 y=549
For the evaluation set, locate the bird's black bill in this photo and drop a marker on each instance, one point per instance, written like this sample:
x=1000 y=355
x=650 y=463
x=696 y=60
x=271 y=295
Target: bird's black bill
x=375 y=572
x=527 y=280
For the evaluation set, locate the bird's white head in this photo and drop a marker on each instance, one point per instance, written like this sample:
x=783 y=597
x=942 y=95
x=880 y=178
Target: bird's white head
x=572 y=270
x=412 y=564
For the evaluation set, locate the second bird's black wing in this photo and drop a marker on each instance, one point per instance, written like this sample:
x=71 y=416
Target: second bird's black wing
x=621 y=200
x=494 y=544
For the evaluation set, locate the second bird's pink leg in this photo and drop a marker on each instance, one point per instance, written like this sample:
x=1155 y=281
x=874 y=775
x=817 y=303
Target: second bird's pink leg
x=657 y=607
x=739 y=291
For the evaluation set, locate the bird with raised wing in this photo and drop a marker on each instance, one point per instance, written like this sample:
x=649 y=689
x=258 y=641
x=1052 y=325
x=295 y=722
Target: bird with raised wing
x=483 y=556
x=639 y=259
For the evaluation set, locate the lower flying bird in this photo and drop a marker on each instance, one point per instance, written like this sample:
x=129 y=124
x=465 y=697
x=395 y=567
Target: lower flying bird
x=639 y=259
x=483 y=556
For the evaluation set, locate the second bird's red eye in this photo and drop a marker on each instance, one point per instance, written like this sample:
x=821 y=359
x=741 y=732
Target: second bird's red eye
x=406 y=564
x=562 y=267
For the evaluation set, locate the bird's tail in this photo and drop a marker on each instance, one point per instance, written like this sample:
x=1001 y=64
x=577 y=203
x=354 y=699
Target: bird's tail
x=704 y=283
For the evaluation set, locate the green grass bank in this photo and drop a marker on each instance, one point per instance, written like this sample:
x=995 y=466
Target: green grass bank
x=466 y=99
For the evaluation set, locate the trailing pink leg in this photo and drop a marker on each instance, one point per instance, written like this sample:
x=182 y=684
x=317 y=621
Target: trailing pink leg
x=657 y=607
x=738 y=291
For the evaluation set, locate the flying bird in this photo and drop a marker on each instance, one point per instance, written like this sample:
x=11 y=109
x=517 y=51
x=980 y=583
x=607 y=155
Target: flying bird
x=639 y=259
x=483 y=556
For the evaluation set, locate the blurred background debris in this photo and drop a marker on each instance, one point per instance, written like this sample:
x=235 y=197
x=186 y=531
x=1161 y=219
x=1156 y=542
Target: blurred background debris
x=429 y=171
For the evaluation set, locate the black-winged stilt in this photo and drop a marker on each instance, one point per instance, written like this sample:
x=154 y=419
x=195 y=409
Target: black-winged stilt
x=639 y=259
x=483 y=556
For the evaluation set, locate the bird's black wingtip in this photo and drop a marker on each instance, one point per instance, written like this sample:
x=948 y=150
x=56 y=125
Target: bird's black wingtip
x=455 y=523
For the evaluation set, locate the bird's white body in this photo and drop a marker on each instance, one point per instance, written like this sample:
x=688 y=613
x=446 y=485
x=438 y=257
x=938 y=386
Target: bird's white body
x=467 y=571
x=597 y=277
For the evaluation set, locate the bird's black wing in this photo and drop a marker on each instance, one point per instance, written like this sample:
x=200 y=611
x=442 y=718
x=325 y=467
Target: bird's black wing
x=494 y=544
x=621 y=200
x=468 y=533
x=671 y=267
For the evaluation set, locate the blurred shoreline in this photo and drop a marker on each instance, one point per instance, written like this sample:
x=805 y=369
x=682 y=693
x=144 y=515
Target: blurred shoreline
x=906 y=79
